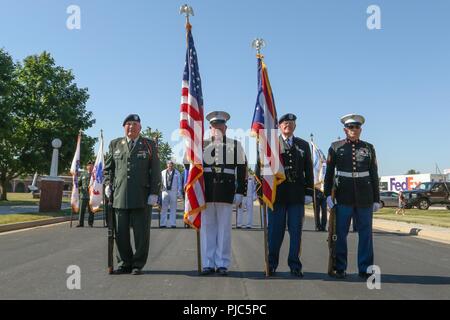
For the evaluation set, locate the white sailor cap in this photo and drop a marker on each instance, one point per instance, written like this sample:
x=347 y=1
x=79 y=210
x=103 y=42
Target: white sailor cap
x=218 y=117
x=353 y=119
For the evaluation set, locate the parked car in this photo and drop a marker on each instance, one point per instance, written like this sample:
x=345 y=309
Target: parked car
x=388 y=199
x=428 y=194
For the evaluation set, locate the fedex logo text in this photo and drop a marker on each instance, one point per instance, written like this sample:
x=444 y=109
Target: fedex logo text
x=408 y=184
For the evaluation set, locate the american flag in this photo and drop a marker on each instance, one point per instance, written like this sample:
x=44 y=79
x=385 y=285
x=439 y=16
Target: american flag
x=270 y=169
x=191 y=127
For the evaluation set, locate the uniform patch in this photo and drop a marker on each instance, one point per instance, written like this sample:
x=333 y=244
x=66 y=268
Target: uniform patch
x=302 y=152
x=142 y=154
x=117 y=151
x=362 y=154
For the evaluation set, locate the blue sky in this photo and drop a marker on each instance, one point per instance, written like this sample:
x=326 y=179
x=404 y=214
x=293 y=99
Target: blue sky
x=323 y=63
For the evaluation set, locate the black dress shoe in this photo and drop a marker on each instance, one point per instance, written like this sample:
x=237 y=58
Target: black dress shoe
x=162 y=227
x=173 y=227
x=79 y=226
x=222 y=271
x=297 y=273
x=207 y=271
x=272 y=272
x=122 y=270
x=136 y=271
x=364 y=275
x=340 y=275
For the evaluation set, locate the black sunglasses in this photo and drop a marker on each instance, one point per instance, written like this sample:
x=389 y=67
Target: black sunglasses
x=351 y=127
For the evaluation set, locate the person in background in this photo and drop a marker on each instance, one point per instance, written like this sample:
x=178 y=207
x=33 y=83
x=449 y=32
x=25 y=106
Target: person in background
x=401 y=204
x=248 y=204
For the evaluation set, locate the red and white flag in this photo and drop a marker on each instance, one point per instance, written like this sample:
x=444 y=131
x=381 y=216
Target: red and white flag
x=270 y=168
x=75 y=172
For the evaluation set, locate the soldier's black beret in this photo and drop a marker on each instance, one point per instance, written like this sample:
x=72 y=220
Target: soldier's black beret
x=131 y=117
x=287 y=117
x=89 y=162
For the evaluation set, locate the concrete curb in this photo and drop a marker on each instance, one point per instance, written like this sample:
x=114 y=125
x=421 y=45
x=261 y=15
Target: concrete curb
x=432 y=233
x=33 y=224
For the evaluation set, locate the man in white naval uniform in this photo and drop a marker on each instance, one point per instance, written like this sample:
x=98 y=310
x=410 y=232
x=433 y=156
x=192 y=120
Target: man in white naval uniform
x=225 y=171
x=248 y=204
x=171 y=189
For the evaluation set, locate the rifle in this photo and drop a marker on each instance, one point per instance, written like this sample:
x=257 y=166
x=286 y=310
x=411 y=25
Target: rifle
x=237 y=213
x=105 y=218
x=159 y=206
x=332 y=238
x=111 y=234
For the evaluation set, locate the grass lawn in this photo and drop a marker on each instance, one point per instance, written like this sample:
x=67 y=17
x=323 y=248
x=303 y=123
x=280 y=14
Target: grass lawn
x=19 y=199
x=27 y=217
x=440 y=218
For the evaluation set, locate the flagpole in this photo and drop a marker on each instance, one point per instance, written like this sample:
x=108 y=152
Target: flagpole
x=104 y=212
x=264 y=224
x=188 y=11
x=314 y=188
x=258 y=44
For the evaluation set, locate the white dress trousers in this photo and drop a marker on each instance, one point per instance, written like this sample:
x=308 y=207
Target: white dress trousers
x=169 y=199
x=215 y=235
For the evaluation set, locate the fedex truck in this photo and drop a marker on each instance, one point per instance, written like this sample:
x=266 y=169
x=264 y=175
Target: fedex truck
x=409 y=182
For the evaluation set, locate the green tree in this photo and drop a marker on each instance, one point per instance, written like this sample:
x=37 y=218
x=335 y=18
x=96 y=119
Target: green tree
x=7 y=68
x=412 y=171
x=44 y=103
x=165 y=151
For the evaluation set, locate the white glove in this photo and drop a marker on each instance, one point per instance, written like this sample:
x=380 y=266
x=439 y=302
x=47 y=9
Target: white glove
x=152 y=199
x=108 y=191
x=330 y=202
x=308 y=199
x=376 y=207
x=238 y=199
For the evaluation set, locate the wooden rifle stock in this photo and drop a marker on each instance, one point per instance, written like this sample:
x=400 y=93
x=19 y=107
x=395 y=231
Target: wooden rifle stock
x=111 y=226
x=332 y=238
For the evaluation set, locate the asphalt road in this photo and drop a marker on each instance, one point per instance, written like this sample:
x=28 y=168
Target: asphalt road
x=33 y=265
